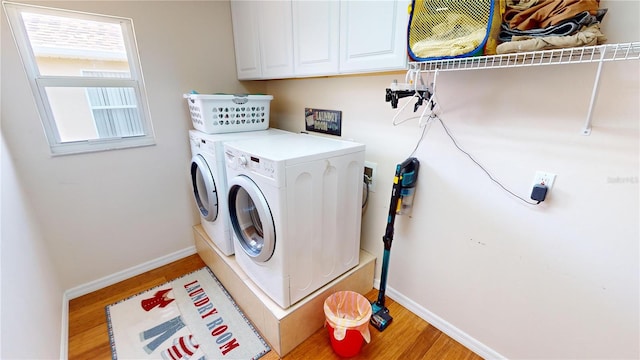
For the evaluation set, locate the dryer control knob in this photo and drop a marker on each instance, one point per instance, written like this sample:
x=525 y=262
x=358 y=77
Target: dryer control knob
x=242 y=161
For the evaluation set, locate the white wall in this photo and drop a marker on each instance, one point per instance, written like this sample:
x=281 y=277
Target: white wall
x=31 y=295
x=555 y=281
x=101 y=213
x=558 y=280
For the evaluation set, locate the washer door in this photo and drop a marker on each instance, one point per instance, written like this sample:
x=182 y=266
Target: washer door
x=251 y=218
x=204 y=188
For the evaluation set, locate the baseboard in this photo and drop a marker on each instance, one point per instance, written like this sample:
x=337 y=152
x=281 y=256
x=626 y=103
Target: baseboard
x=107 y=281
x=128 y=273
x=64 y=331
x=458 y=335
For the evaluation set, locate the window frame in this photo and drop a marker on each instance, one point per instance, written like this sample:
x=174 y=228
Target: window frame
x=39 y=83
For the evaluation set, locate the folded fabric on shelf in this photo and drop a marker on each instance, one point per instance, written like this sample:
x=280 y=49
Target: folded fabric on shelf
x=547 y=13
x=567 y=27
x=587 y=36
x=521 y=4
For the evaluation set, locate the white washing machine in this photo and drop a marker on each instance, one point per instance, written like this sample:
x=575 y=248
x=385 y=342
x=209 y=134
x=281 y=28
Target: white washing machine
x=210 y=183
x=295 y=205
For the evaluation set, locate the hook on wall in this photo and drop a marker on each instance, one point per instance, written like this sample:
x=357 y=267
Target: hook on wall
x=413 y=87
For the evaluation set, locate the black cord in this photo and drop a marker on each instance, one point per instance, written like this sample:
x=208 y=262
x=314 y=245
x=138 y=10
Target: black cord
x=446 y=129
x=366 y=184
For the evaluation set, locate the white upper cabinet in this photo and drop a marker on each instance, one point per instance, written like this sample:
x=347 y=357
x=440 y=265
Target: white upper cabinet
x=373 y=35
x=262 y=39
x=276 y=40
x=299 y=38
x=316 y=26
x=246 y=39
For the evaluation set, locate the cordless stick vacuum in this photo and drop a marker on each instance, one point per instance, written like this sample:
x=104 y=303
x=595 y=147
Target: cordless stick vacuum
x=404 y=184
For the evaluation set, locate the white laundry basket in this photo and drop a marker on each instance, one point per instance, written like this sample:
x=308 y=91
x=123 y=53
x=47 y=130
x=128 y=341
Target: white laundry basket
x=225 y=113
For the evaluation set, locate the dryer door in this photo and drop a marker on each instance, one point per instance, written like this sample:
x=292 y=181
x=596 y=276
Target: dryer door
x=251 y=218
x=204 y=188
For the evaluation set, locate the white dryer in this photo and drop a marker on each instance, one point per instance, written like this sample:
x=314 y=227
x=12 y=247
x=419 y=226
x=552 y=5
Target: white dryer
x=295 y=208
x=210 y=183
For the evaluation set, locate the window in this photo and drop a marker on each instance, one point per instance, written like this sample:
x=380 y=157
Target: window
x=113 y=109
x=86 y=78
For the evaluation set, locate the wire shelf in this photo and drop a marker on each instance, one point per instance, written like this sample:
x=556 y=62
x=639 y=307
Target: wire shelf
x=587 y=54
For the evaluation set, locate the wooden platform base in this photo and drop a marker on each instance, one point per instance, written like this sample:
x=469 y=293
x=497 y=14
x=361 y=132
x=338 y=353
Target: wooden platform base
x=283 y=329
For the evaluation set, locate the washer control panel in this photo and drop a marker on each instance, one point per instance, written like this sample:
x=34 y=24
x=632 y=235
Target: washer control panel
x=243 y=161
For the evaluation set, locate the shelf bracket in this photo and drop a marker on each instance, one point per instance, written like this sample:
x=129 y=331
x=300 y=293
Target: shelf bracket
x=586 y=130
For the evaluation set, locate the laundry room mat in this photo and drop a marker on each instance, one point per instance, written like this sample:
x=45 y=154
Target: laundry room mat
x=190 y=317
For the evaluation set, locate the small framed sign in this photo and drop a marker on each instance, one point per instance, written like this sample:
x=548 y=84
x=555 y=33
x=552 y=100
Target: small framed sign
x=323 y=121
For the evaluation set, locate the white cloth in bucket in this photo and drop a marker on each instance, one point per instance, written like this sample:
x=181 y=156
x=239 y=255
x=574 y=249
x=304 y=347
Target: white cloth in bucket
x=346 y=310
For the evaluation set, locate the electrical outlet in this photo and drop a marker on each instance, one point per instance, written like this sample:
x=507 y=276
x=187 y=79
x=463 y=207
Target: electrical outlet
x=370 y=171
x=545 y=178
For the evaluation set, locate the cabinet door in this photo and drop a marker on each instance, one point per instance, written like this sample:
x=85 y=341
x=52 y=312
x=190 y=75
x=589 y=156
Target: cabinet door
x=276 y=39
x=373 y=35
x=316 y=32
x=244 y=18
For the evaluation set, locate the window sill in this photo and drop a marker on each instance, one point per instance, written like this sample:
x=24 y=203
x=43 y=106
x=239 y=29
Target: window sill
x=81 y=147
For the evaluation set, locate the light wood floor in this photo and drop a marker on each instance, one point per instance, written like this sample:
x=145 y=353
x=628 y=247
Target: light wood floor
x=408 y=337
